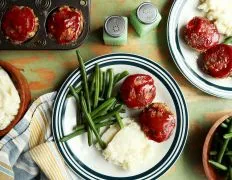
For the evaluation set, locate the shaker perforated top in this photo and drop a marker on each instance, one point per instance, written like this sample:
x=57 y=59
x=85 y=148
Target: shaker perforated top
x=147 y=13
x=115 y=26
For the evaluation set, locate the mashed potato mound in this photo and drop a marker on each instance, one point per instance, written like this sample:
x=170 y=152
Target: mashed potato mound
x=129 y=148
x=9 y=100
x=219 y=11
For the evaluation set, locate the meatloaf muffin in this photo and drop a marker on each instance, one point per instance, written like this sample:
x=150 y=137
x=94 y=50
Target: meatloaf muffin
x=65 y=25
x=19 y=24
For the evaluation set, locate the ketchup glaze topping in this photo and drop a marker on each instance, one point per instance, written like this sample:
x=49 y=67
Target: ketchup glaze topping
x=65 y=25
x=19 y=24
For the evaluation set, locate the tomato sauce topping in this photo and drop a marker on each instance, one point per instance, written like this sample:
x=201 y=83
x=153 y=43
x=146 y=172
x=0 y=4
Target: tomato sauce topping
x=157 y=122
x=217 y=61
x=138 y=90
x=201 y=34
x=65 y=25
x=19 y=24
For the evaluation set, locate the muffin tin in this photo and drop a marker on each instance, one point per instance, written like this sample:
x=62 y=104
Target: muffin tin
x=42 y=9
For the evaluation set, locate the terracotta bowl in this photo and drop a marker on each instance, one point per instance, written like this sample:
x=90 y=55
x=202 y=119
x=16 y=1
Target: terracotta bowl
x=22 y=86
x=210 y=172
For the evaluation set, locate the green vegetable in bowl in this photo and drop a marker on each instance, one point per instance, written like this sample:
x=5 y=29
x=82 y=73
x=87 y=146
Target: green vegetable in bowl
x=221 y=149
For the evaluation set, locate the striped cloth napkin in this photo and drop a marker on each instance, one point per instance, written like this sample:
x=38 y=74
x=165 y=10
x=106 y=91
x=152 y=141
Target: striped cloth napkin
x=28 y=150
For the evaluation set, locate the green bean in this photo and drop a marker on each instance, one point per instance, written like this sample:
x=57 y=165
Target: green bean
x=218 y=165
x=227 y=136
x=213 y=153
x=91 y=93
x=90 y=78
x=106 y=83
x=98 y=125
x=102 y=106
x=96 y=93
x=81 y=129
x=77 y=90
x=92 y=86
x=228 y=41
x=114 y=105
x=122 y=75
x=85 y=105
x=74 y=93
x=222 y=151
x=79 y=117
x=230 y=172
x=104 y=111
x=84 y=77
x=119 y=120
x=111 y=81
x=103 y=84
x=91 y=124
x=106 y=123
x=72 y=135
x=224 y=125
x=224 y=146
x=116 y=78
x=227 y=120
x=101 y=99
x=100 y=80
x=90 y=136
x=89 y=132
x=98 y=130
x=109 y=114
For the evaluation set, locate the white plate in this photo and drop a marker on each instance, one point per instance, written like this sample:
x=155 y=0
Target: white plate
x=88 y=162
x=185 y=58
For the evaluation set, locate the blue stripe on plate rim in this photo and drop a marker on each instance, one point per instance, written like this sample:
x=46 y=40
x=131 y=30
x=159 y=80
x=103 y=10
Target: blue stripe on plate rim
x=178 y=57
x=182 y=115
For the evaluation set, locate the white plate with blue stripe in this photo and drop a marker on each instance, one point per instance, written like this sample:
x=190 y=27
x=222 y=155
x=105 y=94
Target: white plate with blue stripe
x=87 y=162
x=186 y=58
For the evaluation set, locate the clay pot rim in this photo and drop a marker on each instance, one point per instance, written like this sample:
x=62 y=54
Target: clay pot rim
x=209 y=170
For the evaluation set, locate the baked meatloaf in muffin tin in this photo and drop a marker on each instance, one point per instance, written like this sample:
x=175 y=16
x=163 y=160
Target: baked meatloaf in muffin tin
x=43 y=24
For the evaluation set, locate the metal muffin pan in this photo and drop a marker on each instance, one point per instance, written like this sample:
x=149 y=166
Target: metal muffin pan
x=42 y=9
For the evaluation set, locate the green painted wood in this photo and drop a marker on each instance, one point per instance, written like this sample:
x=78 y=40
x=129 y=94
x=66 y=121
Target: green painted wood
x=46 y=70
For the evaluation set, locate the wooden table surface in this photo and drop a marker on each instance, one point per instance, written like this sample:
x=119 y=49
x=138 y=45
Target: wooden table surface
x=46 y=70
